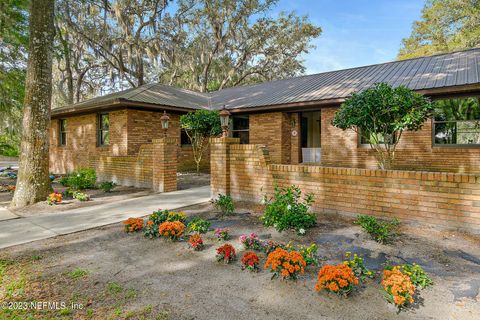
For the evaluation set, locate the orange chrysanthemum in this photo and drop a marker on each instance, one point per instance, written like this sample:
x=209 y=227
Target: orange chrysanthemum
x=172 y=230
x=398 y=286
x=286 y=264
x=133 y=224
x=339 y=279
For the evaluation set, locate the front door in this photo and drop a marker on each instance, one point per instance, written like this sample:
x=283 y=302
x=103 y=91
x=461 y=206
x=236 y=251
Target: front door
x=311 y=132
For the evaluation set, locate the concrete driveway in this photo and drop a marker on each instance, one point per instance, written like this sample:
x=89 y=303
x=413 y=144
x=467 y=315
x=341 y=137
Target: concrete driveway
x=8 y=162
x=47 y=225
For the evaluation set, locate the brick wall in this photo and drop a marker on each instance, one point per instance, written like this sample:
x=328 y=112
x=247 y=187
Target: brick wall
x=272 y=129
x=414 y=151
x=82 y=141
x=129 y=130
x=444 y=199
x=154 y=166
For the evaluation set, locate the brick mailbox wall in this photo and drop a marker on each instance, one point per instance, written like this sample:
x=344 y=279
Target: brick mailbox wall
x=450 y=200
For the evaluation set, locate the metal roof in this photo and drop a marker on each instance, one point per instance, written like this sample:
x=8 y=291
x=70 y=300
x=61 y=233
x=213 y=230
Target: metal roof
x=425 y=73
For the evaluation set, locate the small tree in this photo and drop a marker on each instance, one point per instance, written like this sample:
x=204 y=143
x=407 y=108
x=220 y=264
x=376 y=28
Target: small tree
x=199 y=127
x=383 y=113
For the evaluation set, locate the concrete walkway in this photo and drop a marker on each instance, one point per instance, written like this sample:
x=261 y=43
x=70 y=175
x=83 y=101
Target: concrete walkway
x=23 y=230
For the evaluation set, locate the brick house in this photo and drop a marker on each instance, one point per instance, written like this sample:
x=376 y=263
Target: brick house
x=291 y=118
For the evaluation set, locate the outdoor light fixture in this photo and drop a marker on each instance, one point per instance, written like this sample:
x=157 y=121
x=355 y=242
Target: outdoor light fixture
x=164 y=119
x=224 y=121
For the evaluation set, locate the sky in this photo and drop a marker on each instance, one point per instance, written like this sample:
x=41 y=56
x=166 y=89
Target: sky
x=355 y=32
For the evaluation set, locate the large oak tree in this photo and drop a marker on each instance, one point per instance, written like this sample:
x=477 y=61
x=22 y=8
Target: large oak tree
x=33 y=183
x=445 y=26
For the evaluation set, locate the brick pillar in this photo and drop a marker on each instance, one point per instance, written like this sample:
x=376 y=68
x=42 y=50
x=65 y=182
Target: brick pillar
x=220 y=165
x=165 y=164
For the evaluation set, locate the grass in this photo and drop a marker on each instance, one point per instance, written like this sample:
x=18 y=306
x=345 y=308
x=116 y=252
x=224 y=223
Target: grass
x=77 y=273
x=114 y=288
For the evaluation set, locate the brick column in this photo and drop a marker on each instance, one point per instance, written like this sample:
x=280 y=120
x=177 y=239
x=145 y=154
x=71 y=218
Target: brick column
x=220 y=165
x=165 y=164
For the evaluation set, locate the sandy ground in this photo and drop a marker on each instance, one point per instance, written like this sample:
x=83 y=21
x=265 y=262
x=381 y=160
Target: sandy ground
x=97 y=196
x=131 y=277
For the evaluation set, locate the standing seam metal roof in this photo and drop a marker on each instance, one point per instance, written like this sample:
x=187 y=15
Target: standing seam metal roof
x=433 y=72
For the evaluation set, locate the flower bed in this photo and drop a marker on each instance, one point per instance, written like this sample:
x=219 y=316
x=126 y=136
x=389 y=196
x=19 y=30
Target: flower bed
x=250 y=261
x=196 y=242
x=251 y=241
x=286 y=264
x=222 y=234
x=54 y=198
x=338 y=279
x=226 y=253
x=172 y=230
x=398 y=287
x=133 y=224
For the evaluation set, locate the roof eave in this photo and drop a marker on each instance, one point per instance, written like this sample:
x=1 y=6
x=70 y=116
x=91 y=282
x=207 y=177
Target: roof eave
x=114 y=104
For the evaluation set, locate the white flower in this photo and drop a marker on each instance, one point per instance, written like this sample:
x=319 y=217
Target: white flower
x=289 y=207
x=301 y=231
x=263 y=201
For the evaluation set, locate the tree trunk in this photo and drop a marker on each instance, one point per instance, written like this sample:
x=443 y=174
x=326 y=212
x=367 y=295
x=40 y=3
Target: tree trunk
x=33 y=183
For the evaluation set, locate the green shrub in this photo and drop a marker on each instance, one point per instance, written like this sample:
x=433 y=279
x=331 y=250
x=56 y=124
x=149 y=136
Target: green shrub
x=81 y=196
x=417 y=275
x=151 y=230
x=67 y=193
x=358 y=266
x=288 y=211
x=198 y=225
x=80 y=180
x=107 y=186
x=224 y=203
x=309 y=254
x=161 y=216
x=381 y=231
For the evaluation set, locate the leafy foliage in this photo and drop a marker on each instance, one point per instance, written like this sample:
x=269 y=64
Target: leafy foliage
x=358 y=266
x=80 y=180
x=445 y=26
x=107 y=186
x=13 y=45
x=309 y=254
x=81 y=196
x=160 y=216
x=417 y=275
x=151 y=230
x=384 y=112
x=287 y=211
x=200 y=126
x=380 y=231
x=224 y=203
x=198 y=225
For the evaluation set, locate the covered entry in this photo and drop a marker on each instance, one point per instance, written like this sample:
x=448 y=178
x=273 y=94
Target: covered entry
x=311 y=132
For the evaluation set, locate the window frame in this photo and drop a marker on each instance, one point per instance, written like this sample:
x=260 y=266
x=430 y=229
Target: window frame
x=101 y=130
x=61 y=141
x=456 y=145
x=183 y=133
x=233 y=131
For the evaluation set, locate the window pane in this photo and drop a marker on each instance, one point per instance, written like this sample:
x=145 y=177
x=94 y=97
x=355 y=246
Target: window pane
x=104 y=121
x=184 y=140
x=240 y=122
x=243 y=135
x=445 y=133
x=63 y=138
x=105 y=138
x=457 y=109
x=468 y=132
x=63 y=125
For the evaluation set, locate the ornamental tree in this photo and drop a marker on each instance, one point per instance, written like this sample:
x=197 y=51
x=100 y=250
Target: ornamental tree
x=200 y=126
x=380 y=114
